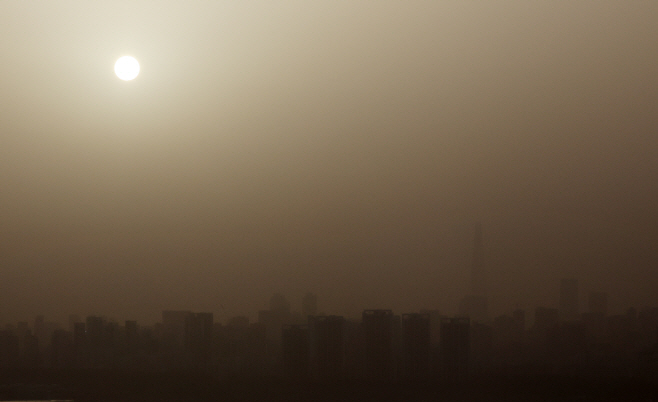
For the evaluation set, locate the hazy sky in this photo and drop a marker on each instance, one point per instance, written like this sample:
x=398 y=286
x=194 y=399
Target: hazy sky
x=341 y=147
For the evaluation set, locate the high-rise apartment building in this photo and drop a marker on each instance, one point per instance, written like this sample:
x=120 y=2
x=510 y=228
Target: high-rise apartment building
x=327 y=351
x=378 y=338
x=295 y=347
x=455 y=347
x=416 y=345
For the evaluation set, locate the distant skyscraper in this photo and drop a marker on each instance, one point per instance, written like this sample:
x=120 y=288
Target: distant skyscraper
x=79 y=334
x=73 y=319
x=62 y=351
x=131 y=335
x=95 y=331
x=475 y=307
x=309 y=305
x=568 y=299
x=274 y=318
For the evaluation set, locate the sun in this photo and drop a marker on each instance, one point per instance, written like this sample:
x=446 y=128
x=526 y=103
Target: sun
x=126 y=68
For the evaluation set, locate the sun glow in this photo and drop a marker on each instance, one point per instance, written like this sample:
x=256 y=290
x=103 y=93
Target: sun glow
x=126 y=68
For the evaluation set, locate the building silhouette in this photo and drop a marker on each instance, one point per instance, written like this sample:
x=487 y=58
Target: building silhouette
x=378 y=344
x=40 y=330
x=475 y=307
x=73 y=319
x=173 y=327
x=416 y=345
x=198 y=333
x=131 y=336
x=62 y=351
x=9 y=349
x=327 y=349
x=455 y=347
x=295 y=347
x=79 y=334
x=275 y=318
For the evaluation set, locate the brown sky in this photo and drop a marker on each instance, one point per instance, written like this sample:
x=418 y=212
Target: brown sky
x=341 y=147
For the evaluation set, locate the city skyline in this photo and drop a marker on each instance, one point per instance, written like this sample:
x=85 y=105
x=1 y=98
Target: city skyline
x=475 y=289
x=570 y=305
x=343 y=149
x=381 y=345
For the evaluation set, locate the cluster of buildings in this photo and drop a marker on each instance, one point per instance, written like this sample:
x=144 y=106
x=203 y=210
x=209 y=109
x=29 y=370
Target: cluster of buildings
x=381 y=346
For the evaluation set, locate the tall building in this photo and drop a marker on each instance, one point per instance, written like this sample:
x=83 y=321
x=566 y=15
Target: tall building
x=435 y=326
x=327 y=354
x=378 y=338
x=416 y=345
x=198 y=332
x=131 y=336
x=173 y=323
x=568 y=299
x=73 y=319
x=9 y=349
x=295 y=346
x=95 y=331
x=79 y=334
x=455 y=347
x=40 y=330
x=475 y=307
x=275 y=318
x=62 y=351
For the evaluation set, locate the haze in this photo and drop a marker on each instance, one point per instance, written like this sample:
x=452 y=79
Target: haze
x=342 y=148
